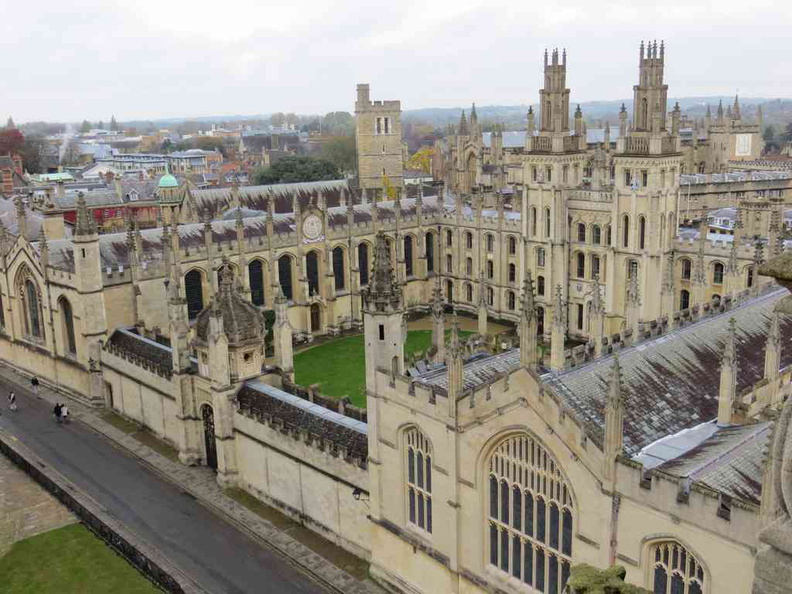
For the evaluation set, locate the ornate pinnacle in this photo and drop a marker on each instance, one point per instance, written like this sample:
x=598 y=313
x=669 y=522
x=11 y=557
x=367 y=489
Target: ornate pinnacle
x=438 y=307
x=383 y=291
x=529 y=304
x=668 y=275
x=454 y=344
x=732 y=266
x=633 y=292
x=615 y=391
x=85 y=222
x=559 y=313
x=730 y=346
x=597 y=307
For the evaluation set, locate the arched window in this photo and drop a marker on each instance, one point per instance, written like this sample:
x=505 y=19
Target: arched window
x=717 y=273
x=193 y=291
x=676 y=570
x=608 y=238
x=510 y=300
x=533 y=221
x=512 y=245
x=512 y=273
x=686 y=269
x=469 y=266
x=596 y=235
x=285 y=276
x=408 y=254
x=641 y=232
x=490 y=296
x=540 y=285
x=430 y=252
x=449 y=263
x=469 y=240
x=490 y=269
x=67 y=321
x=547 y=223
x=363 y=263
x=625 y=231
x=684 y=299
x=632 y=268
x=595 y=266
x=750 y=280
x=2 y=313
x=312 y=272
x=32 y=310
x=256 y=279
x=338 y=269
x=490 y=242
x=468 y=292
x=581 y=232
x=531 y=515
x=419 y=479
x=449 y=291
x=581 y=265
x=540 y=257
x=449 y=238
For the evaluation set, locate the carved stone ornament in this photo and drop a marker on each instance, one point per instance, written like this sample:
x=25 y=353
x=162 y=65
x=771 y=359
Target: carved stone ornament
x=312 y=228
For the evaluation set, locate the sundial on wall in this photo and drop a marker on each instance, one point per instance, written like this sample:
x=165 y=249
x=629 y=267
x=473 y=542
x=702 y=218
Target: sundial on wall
x=312 y=228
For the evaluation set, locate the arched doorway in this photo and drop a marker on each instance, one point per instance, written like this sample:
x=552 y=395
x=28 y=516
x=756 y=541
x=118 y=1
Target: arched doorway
x=209 y=436
x=316 y=318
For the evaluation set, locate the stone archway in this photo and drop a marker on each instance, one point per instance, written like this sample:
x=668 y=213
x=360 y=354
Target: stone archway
x=207 y=414
x=316 y=318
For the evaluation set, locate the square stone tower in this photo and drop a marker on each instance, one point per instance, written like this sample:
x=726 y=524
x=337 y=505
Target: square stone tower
x=379 y=142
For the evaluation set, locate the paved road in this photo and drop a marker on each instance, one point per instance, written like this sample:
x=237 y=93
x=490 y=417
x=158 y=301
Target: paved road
x=216 y=555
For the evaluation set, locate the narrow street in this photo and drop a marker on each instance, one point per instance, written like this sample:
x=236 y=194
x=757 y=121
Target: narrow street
x=216 y=555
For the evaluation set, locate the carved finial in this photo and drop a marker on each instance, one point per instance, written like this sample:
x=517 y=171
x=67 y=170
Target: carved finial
x=85 y=221
x=529 y=302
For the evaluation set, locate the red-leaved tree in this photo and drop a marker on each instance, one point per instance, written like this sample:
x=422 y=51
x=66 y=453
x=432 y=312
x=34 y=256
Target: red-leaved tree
x=11 y=141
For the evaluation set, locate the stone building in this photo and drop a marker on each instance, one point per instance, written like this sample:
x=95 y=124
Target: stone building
x=641 y=445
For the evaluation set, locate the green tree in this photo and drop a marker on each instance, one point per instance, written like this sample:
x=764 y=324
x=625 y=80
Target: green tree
x=787 y=135
x=338 y=123
x=340 y=151
x=771 y=145
x=33 y=151
x=209 y=143
x=277 y=120
x=296 y=169
x=85 y=126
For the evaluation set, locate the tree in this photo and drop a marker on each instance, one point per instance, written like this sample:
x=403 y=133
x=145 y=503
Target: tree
x=421 y=160
x=296 y=169
x=100 y=125
x=769 y=139
x=70 y=154
x=11 y=140
x=787 y=135
x=340 y=151
x=338 y=123
x=85 y=126
x=277 y=120
x=209 y=143
x=33 y=152
x=113 y=124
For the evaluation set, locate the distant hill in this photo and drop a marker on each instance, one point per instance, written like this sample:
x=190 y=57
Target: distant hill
x=777 y=112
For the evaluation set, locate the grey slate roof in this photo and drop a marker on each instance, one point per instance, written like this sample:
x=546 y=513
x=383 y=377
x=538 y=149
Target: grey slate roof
x=672 y=381
x=479 y=370
x=142 y=349
x=731 y=461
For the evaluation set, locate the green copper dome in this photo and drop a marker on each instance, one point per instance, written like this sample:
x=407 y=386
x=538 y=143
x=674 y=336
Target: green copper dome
x=168 y=181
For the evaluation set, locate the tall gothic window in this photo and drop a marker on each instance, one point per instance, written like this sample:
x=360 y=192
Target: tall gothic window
x=540 y=285
x=581 y=265
x=490 y=242
x=32 y=310
x=2 y=312
x=530 y=515
x=686 y=269
x=363 y=265
x=625 y=231
x=490 y=269
x=581 y=232
x=449 y=263
x=596 y=235
x=684 y=299
x=547 y=223
x=419 y=479
x=469 y=240
x=449 y=238
x=285 y=276
x=468 y=292
x=490 y=296
x=641 y=232
x=676 y=570
x=67 y=322
x=510 y=299
x=717 y=273
x=408 y=255
x=512 y=273
x=469 y=266
x=512 y=245
x=256 y=278
x=533 y=221
x=540 y=257
x=193 y=291
x=338 y=269
x=312 y=272
x=430 y=252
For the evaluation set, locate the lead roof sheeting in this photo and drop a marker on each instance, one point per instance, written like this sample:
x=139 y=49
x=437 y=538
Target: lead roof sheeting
x=310 y=407
x=672 y=381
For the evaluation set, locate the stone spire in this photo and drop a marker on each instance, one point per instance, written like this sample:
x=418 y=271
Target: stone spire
x=463 y=125
x=43 y=248
x=438 y=322
x=623 y=121
x=728 y=376
x=634 y=305
x=597 y=316
x=614 y=420
x=85 y=221
x=383 y=292
x=282 y=336
x=531 y=122
x=558 y=332
x=719 y=117
x=456 y=372
x=736 y=109
x=528 y=325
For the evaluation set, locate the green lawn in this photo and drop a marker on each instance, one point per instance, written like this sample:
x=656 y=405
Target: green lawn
x=69 y=560
x=339 y=365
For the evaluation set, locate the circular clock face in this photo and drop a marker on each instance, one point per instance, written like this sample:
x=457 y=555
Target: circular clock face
x=312 y=227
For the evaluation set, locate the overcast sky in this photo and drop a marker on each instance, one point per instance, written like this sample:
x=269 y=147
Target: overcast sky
x=78 y=59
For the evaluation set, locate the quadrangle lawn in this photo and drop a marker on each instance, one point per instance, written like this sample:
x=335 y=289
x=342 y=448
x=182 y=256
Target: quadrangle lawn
x=68 y=560
x=340 y=366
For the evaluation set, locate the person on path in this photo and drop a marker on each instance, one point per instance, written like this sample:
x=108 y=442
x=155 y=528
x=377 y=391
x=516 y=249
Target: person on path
x=12 y=404
x=35 y=383
x=57 y=412
x=64 y=413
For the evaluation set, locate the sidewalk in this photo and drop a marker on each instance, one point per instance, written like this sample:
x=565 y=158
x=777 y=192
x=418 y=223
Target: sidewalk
x=200 y=483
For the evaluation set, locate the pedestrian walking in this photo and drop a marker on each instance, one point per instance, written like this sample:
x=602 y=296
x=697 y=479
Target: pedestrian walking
x=57 y=412
x=35 y=383
x=12 y=403
x=64 y=413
